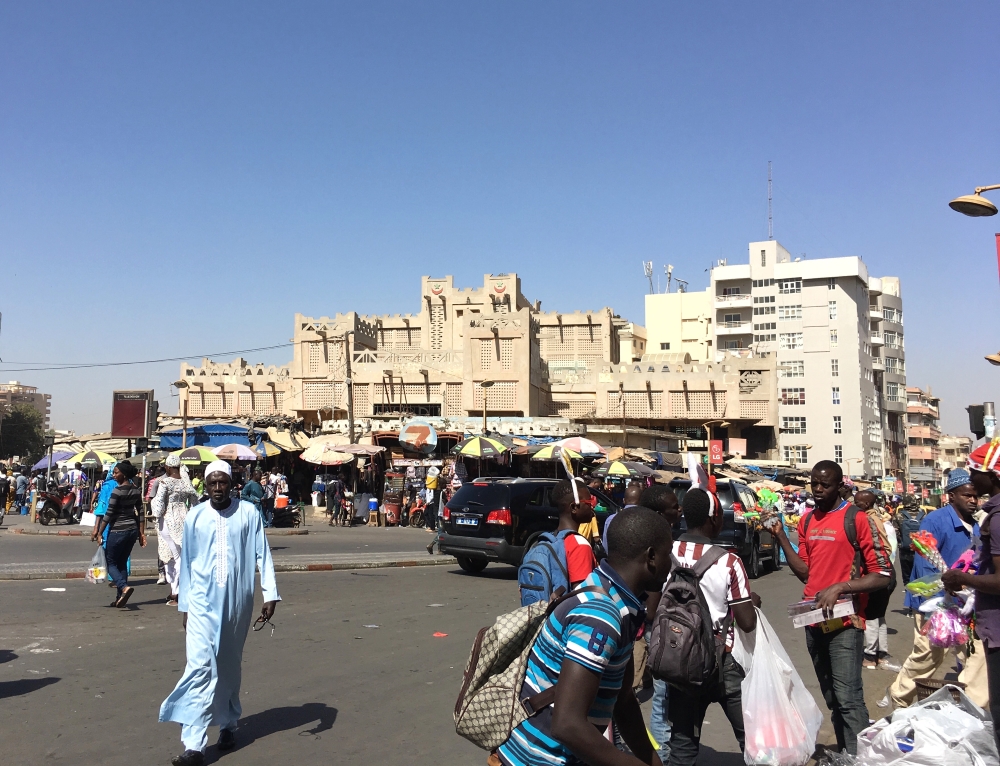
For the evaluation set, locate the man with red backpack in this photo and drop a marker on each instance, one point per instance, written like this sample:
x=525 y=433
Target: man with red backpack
x=840 y=554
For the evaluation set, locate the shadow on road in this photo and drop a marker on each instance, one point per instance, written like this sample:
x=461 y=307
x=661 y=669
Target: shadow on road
x=714 y=757
x=24 y=686
x=277 y=719
x=497 y=572
x=6 y=655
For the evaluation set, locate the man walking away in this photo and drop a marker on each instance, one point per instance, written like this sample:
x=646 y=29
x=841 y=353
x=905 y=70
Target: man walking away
x=726 y=589
x=253 y=493
x=585 y=651
x=224 y=543
x=908 y=519
x=876 y=630
x=633 y=494
x=954 y=527
x=826 y=563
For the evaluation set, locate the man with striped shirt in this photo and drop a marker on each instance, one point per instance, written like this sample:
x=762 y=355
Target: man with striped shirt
x=585 y=651
x=726 y=589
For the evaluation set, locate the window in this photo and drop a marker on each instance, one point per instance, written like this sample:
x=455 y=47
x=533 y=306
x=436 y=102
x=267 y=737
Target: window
x=764 y=326
x=838 y=453
x=732 y=344
x=730 y=291
x=790 y=286
x=763 y=257
x=833 y=338
x=797 y=455
x=762 y=310
x=868 y=375
x=836 y=424
x=793 y=396
x=892 y=392
x=890 y=364
x=789 y=341
x=868 y=402
x=836 y=394
x=793 y=425
x=768 y=338
x=794 y=369
x=763 y=282
x=790 y=312
x=832 y=284
x=664 y=347
x=891 y=340
x=732 y=320
x=832 y=305
x=834 y=368
x=764 y=298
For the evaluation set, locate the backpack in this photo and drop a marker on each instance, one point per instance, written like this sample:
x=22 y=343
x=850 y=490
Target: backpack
x=851 y=530
x=907 y=526
x=489 y=705
x=543 y=569
x=683 y=648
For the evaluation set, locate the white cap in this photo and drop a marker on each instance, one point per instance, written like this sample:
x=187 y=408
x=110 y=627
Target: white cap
x=218 y=465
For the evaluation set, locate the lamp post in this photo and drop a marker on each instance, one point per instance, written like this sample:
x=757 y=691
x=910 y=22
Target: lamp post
x=50 y=440
x=975 y=205
x=485 y=385
x=852 y=460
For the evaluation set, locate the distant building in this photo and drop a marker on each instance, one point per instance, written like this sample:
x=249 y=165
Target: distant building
x=819 y=320
x=16 y=393
x=489 y=347
x=953 y=452
x=924 y=438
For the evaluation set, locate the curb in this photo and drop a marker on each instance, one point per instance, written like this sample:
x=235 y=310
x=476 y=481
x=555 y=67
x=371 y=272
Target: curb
x=320 y=567
x=151 y=533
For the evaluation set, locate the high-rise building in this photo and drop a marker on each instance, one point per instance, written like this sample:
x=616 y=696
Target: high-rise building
x=15 y=393
x=924 y=435
x=816 y=318
x=889 y=369
x=953 y=452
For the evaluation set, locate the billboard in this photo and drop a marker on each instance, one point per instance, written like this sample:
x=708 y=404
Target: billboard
x=132 y=414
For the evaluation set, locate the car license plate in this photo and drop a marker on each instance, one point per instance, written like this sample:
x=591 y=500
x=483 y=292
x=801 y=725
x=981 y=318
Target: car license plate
x=467 y=522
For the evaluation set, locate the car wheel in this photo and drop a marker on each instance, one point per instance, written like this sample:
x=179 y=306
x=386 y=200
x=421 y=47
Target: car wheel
x=471 y=565
x=754 y=569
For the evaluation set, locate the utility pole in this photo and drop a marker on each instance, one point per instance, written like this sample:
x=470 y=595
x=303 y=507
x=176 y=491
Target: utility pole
x=350 y=387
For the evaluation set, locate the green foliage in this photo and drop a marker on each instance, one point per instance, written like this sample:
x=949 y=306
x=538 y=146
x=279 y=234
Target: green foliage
x=22 y=434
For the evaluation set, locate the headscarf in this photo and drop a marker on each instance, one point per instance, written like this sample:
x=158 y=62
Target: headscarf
x=218 y=465
x=172 y=461
x=984 y=458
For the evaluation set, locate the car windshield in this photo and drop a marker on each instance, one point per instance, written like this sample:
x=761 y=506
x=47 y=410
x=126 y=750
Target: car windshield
x=480 y=496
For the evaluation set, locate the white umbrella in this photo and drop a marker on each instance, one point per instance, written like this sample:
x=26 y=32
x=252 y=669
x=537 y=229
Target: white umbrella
x=582 y=445
x=235 y=452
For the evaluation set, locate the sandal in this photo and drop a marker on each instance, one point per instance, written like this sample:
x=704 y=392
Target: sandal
x=171 y=601
x=124 y=597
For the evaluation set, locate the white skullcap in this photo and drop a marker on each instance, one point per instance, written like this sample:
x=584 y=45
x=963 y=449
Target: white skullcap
x=172 y=461
x=218 y=465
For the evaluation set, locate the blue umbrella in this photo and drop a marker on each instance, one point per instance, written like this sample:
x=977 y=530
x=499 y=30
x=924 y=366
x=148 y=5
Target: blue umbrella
x=56 y=457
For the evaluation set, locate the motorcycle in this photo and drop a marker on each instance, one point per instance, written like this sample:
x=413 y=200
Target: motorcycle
x=58 y=504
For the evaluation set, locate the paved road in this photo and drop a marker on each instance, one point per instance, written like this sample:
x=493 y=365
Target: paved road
x=82 y=683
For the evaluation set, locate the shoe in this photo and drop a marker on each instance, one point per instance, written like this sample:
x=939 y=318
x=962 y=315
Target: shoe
x=161 y=580
x=890 y=664
x=124 y=597
x=227 y=740
x=171 y=601
x=189 y=758
x=869 y=664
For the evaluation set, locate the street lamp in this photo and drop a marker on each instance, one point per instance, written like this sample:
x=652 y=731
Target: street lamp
x=484 y=385
x=852 y=460
x=975 y=205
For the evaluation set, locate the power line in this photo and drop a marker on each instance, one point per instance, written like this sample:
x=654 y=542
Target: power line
x=53 y=366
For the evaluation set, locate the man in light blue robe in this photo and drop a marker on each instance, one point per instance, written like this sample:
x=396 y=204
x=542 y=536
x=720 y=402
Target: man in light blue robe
x=223 y=542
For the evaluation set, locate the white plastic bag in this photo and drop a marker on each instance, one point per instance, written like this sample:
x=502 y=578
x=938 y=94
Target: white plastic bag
x=87 y=519
x=933 y=732
x=780 y=716
x=98 y=570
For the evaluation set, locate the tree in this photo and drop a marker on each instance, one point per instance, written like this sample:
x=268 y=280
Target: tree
x=21 y=432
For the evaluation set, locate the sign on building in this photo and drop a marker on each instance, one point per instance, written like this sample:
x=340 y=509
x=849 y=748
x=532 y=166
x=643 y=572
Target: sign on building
x=738 y=447
x=715 y=452
x=133 y=415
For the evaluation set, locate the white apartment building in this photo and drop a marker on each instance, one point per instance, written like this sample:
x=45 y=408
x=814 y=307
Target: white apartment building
x=816 y=318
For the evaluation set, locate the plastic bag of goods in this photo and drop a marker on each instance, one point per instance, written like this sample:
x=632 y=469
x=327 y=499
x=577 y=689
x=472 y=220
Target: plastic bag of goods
x=936 y=731
x=97 y=572
x=780 y=716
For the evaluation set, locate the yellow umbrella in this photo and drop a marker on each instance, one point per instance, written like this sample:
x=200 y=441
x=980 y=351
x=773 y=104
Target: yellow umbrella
x=554 y=452
x=480 y=446
x=196 y=455
x=91 y=458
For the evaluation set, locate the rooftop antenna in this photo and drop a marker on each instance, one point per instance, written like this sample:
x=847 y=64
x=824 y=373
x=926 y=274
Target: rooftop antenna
x=647 y=269
x=670 y=275
x=770 y=222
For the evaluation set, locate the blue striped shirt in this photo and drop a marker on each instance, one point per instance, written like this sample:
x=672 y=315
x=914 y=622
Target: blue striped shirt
x=593 y=629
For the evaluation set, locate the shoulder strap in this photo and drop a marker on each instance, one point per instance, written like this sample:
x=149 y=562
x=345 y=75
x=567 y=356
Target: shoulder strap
x=708 y=559
x=806 y=520
x=851 y=526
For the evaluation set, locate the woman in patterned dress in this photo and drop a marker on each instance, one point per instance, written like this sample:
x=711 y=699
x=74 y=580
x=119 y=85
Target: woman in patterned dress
x=170 y=505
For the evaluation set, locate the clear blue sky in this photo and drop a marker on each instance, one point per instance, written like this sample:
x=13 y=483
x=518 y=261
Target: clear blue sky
x=181 y=178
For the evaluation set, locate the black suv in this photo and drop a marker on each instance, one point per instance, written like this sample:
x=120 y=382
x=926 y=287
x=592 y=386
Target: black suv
x=754 y=547
x=497 y=520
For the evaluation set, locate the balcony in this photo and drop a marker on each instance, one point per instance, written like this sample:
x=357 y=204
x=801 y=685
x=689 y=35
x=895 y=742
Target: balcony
x=734 y=328
x=733 y=301
x=878 y=364
x=874 y=314
x=877 y=339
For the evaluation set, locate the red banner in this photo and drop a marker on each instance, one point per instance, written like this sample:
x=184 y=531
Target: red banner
x=715 y=452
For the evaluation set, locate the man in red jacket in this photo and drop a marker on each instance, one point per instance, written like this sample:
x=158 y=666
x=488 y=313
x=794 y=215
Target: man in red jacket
x=833 y=565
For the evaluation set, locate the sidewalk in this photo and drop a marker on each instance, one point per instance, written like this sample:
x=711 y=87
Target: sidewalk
x=306 y=562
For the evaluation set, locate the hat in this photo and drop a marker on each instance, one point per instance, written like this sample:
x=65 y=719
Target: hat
x=956 y=479
x=984 y=457
x=172 y=461
x=220 y=466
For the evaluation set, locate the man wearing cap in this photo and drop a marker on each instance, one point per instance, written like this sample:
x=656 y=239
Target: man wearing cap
x=223 y=544
x=954 y=528
x=983 y=466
